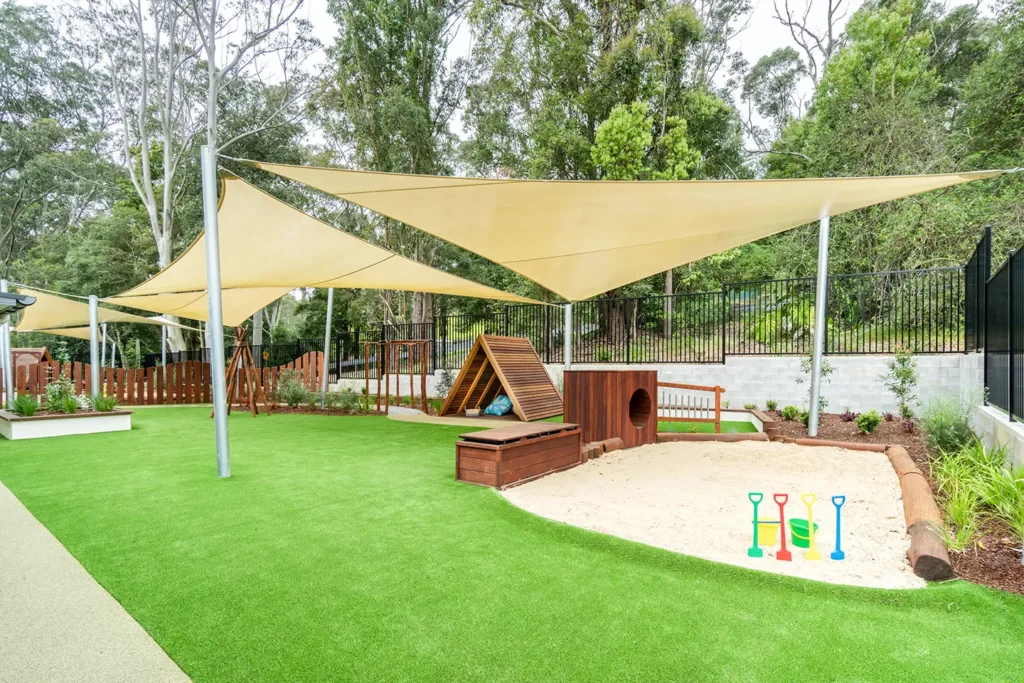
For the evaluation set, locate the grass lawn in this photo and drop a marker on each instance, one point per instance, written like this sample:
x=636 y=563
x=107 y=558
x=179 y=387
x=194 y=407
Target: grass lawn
x=343 y=549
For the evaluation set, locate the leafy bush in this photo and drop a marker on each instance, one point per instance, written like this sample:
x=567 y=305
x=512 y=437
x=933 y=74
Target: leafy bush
x=68 y=404
x=291 y=390
x=869 y=421
x=750 y=406
x=909 y=426
x=26 y=405
x=947 y=422
x=901 y=380
x=57 y=389
x=314 y=399
x=345 y=400
x=790 y=412
x=805 y=417
x=889 y=417
x=961 y=477
x=445 y=383
x=847 y=415
x=104 y=403
x=771 y=404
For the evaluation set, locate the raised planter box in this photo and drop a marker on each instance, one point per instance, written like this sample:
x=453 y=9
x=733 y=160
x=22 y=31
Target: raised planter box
x=517 y=453
x=16 y=427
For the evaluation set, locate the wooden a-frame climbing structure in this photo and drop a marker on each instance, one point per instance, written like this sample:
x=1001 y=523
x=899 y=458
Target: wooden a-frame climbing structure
x=507 y=365
x=242 y=360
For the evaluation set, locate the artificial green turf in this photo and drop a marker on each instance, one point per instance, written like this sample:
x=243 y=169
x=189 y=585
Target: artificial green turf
x=706 y=427
x=343 y=549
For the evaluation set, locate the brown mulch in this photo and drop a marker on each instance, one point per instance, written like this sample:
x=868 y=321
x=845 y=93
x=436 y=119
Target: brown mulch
x=994 y=562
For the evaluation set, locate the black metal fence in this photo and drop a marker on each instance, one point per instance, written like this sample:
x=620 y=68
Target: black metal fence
x=927 y=311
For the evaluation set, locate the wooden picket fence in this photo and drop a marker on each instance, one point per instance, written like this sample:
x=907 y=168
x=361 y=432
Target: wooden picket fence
x=188 y=382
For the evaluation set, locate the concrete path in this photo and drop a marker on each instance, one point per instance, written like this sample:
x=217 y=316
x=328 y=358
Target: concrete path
x=56 y=623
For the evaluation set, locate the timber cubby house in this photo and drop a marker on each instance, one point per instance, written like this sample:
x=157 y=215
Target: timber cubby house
x=504 y=365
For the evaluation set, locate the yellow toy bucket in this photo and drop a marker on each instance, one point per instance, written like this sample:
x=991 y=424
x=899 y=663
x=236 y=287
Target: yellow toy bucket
x=767 y=531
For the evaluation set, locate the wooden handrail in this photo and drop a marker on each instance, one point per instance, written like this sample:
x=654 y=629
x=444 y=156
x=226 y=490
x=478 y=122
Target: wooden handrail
x=717 y=390
x=692 y=387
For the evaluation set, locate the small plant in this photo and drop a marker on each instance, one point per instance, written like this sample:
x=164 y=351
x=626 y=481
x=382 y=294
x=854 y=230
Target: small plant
x=314 y=399
x=68 y=404
x=444 y=383
x=26 y=405
x=771 y=404
x=909 y=426
x=947 y=422
x=805 y=417
x=750 y=406
x=348 y=401
x=790 y=412
x=57 y=389
x=291 y=390
x=806 y=365
x=962 y=511
x=104 y=403
x=847 y=415
x=725 y=405
x=901 y=380
x=888 y=417
x=869 y=421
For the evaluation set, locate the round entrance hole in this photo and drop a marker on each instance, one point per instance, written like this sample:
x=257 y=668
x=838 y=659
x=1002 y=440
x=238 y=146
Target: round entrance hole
x=640 y=408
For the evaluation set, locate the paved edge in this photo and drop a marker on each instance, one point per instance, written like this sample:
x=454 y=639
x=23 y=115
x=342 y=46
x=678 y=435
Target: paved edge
x=56 y=622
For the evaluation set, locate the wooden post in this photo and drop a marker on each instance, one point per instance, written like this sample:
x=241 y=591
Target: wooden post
x=718 y=409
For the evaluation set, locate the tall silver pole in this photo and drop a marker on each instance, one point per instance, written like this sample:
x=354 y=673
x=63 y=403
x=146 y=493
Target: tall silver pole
x=94 y=345
x=208 y=160
x=820 y=316
x=568 y=337
x=103 y=344
x=327 y=348
x=7 y=362
x=163 y=351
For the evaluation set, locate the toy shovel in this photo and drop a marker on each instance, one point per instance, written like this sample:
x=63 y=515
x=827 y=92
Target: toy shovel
x=754 y=550
x=781 y=499
x=838 y=553
x=812 y=551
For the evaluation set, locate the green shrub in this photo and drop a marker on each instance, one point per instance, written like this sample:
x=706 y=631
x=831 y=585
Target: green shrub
x=962 y=512
x=750 y=406
x=291 y=390
x=901 y=380
x=725 y=405
x=790 y=412
x=314 y=399
x=805 y=417
x=68 y=404
x=869 y=421
x=947 y=423
x=348 y=401
x=57 y=389
x=26 y=405
x=771 y=404
x=104 y=403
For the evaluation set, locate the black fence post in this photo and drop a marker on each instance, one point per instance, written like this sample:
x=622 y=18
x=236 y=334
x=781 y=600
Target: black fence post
x=547 y=334
x=629 y=328
x=725 y=314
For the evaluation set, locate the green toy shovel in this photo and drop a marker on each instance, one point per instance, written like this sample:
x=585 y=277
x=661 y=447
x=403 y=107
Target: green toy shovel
x=754 y=550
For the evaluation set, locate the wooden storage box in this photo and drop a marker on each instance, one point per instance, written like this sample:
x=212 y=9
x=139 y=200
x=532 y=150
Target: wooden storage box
x=517 y=453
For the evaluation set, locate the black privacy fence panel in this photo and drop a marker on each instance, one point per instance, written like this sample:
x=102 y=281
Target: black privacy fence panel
x=1004 y=337
x=976 y=275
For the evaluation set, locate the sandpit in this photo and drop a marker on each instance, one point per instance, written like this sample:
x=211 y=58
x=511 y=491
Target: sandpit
x=691 y=498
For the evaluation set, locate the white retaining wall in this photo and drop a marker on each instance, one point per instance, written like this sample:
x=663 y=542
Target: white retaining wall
x=996 y=431
x=854 y=382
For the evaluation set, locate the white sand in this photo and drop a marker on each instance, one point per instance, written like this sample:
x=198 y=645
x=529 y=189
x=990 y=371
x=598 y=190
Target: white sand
x=692 y=498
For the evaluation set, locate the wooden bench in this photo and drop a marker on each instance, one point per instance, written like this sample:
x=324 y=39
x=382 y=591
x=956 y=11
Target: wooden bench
x=515 y=454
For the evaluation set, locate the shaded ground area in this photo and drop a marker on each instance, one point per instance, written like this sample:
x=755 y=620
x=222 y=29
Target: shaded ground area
x=994 y=561
x=343 y=549
x=56 y=622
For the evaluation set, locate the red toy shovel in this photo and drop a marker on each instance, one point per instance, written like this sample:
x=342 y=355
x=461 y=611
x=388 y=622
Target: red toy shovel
x=782 y=499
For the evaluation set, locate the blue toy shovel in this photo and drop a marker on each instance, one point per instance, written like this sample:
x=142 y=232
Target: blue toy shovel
x=838 y=553
x=754 y=550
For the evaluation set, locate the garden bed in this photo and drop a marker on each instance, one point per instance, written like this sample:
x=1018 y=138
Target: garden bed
x=45 y=424
x=993 y=562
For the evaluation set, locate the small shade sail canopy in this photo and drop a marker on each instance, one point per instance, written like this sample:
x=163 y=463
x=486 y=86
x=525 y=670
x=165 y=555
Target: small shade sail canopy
x=266 y=243
x=237 y=304
x=57 y=315
x=583 y=238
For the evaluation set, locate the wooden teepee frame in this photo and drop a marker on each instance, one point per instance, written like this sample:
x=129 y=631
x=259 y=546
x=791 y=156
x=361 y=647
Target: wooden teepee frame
x=242 y=359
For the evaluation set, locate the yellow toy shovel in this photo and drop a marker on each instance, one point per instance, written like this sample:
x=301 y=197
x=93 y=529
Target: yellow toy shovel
x=809 y=499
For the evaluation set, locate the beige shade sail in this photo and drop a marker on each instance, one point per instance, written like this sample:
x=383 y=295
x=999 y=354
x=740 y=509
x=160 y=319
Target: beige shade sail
x=583 y=238
x=266 y=243
x=76 y=332
x=51 y=312
x=237 y=304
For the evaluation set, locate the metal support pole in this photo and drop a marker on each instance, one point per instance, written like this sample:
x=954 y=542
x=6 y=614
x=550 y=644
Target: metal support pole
x=820 y=316
x=103 y=344
x=208 y=159
x=94 y=345
x=327 y=348
x=7 y=363
x=568 y=337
